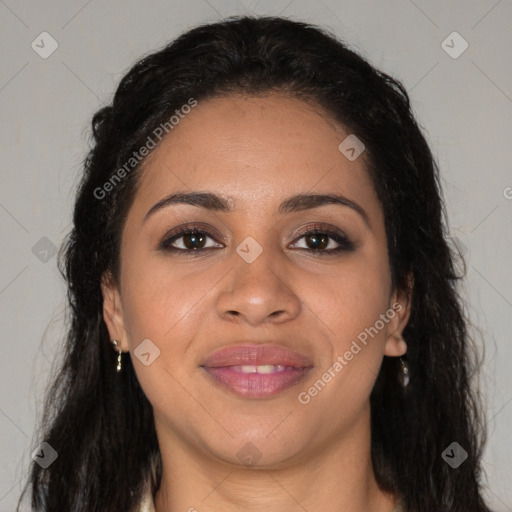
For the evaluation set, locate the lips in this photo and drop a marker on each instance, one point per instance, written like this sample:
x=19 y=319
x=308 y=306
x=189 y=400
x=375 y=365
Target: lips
x=256 y=355
x=256 y=371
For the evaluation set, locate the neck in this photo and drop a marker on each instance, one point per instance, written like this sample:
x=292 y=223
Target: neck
x=337 y=476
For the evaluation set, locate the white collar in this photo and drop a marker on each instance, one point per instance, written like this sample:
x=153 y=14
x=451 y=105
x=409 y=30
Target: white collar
x=147 y=504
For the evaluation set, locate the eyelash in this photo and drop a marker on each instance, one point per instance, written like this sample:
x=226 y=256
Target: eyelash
x=344 y=243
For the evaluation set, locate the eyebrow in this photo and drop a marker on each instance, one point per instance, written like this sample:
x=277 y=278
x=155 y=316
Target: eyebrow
x=214 y=202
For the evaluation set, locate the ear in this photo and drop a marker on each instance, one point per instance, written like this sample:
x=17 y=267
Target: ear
x=395 y=345
x=113 y=311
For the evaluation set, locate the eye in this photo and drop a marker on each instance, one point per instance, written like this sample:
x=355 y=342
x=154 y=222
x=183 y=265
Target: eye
x=187 y=239
x=320 y=239
x=193 y=239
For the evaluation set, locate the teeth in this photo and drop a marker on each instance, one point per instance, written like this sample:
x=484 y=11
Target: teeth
x=262 y=368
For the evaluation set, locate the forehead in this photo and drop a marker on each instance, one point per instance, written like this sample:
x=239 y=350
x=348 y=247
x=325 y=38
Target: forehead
x=255 y=149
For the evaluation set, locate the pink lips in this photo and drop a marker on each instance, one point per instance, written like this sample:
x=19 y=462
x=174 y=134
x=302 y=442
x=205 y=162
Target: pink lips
x=257 y=371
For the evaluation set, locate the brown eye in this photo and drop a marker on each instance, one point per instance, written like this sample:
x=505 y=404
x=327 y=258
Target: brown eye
x=321 y=241
x=194 y=240
x=316 y=241
x=325 y=241
x=188 y=240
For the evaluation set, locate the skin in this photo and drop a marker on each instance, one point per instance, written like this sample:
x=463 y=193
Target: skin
x=257 y=151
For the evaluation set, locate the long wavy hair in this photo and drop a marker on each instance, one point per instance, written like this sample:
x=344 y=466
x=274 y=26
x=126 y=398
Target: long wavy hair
x=101 y=423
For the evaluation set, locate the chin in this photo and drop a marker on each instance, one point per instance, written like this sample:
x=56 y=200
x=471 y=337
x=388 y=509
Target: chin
x=258 y=448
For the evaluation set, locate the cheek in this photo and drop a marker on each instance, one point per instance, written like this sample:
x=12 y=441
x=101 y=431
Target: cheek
x=159 y=298
x=162 y=303
x=350 y=298
x=349 y=303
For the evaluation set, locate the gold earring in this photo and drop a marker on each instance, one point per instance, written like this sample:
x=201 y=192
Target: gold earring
x=120 y=351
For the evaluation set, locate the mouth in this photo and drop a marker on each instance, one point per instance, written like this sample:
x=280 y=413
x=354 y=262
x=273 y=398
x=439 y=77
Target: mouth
x=256 y=371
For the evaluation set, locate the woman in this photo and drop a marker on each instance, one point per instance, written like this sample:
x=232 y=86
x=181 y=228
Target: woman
x=264 y=312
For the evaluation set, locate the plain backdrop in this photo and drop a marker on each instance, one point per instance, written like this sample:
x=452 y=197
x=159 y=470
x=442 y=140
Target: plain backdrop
x=461 y=96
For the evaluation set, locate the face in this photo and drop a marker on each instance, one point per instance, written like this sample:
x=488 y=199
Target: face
x=295 y=292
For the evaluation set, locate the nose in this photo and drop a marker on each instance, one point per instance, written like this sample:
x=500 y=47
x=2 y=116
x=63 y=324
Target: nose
x=260 y=292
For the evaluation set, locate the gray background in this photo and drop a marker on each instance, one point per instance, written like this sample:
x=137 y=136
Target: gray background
x=464 y=104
